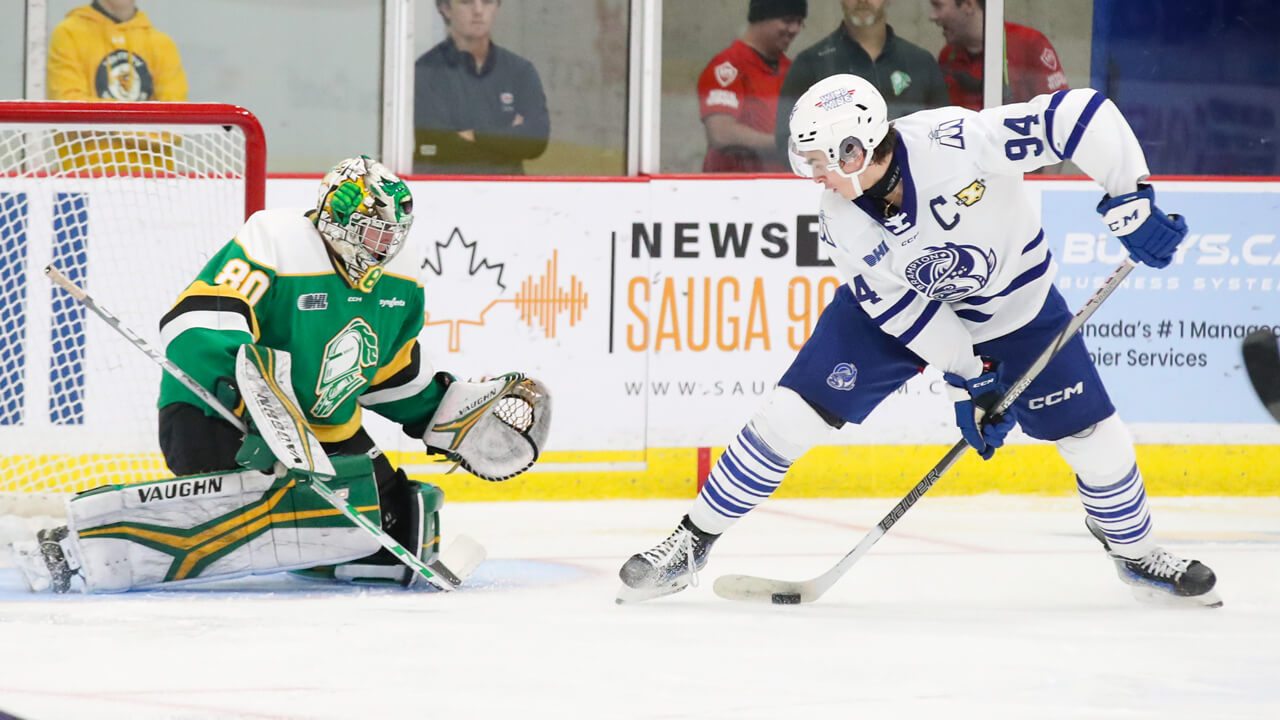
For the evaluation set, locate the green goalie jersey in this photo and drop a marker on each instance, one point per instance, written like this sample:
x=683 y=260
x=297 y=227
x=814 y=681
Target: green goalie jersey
x=275 y=285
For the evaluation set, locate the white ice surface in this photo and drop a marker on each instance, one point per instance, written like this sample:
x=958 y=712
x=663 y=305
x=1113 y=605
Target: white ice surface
x=984 y=608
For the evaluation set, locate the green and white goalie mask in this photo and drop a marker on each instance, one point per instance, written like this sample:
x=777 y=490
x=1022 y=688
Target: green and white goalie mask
x=364 y=214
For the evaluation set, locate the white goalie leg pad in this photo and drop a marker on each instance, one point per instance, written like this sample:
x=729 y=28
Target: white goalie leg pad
x=496 y=429
x=215 y=526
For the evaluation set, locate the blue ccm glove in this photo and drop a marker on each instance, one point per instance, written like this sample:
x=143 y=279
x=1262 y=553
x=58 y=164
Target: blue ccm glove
x=982 y=392
x=1148 y=234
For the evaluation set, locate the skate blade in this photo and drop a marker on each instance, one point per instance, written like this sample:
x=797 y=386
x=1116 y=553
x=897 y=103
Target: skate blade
x=628 y=595
x=1155 y=596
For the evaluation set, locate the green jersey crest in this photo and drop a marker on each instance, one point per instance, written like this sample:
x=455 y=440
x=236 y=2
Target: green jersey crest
x=346 y=355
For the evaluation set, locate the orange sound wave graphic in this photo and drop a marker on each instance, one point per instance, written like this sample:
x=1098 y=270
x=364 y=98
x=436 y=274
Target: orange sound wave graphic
x=542 y=300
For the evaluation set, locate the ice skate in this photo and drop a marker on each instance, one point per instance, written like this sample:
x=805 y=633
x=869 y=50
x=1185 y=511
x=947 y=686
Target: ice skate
x=1162 y=576
x=43 y=562
x=665 y=568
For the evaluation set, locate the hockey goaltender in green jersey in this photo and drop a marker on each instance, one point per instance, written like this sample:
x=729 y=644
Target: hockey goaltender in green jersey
x=316 y=310
x=353 y=342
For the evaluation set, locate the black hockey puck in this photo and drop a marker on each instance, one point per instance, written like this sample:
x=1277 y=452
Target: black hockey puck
x=786 y=598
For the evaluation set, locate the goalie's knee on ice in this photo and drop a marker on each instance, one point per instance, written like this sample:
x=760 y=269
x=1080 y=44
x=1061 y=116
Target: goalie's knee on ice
x=416 y=527
x=430 y=499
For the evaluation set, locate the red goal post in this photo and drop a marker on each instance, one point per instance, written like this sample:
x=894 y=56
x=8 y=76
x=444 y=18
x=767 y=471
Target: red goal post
x=129 y=200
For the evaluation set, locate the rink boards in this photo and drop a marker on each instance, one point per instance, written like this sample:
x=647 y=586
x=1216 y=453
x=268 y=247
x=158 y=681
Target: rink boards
x=660 y=311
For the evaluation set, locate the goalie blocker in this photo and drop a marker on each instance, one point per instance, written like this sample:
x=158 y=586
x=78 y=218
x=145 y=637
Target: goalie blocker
x=263 y=519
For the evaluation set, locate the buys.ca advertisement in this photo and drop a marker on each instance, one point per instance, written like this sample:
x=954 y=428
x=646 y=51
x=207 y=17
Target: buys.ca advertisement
x=1168 y=343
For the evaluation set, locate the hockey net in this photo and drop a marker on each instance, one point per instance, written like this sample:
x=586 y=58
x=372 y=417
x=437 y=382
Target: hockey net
x=129 y=200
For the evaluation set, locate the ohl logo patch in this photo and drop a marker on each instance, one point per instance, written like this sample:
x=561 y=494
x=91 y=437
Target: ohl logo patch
x=951 y=272
x=463 y=287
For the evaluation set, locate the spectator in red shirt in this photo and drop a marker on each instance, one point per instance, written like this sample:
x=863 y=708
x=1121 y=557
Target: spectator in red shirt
x=1031 y=64
x=738 y=90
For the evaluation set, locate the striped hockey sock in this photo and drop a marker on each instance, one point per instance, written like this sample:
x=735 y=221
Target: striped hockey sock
x=1120 y=509
x=748 y=472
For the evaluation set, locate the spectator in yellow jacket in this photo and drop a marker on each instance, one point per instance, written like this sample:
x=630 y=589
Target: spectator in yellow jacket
x=110 y=51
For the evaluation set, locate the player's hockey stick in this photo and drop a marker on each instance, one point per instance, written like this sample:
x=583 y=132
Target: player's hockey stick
x=1262 y=361
x=786 y=592
x=463 y=555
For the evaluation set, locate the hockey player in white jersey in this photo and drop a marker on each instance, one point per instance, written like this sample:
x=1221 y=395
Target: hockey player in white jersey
x=946 y=265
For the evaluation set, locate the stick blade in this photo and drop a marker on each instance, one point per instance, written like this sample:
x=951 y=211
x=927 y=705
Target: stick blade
x=1262 y=362
x=463 y=556
x=748 y=588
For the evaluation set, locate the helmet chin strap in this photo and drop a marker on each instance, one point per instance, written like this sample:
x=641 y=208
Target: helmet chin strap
x=887 y=182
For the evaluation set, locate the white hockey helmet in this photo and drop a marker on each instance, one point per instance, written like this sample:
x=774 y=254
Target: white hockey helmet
x=837 y=115
x=376 y=230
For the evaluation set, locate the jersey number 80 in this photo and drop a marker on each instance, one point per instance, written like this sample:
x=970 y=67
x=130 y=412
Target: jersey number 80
x=243 y=279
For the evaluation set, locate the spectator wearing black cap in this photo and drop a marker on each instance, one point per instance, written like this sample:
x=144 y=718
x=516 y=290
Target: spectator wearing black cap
x=478 y=109
x=906 y=75
x=738 y=89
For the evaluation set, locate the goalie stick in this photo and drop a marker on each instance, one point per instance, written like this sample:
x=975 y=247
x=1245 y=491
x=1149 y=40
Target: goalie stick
x=1262 y=362
x=464 y=554
x=750 y=588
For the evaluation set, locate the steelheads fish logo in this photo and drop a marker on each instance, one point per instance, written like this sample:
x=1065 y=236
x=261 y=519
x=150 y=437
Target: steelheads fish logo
x=951 y=272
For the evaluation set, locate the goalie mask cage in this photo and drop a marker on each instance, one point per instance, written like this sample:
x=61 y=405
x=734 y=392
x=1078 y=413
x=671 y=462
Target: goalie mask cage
x=129 y=200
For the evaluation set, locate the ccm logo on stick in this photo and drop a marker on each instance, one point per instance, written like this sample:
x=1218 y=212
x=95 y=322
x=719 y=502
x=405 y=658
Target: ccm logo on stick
x=1056 y=397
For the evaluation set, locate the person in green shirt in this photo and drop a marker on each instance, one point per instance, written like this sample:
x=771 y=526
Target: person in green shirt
x=907 y=75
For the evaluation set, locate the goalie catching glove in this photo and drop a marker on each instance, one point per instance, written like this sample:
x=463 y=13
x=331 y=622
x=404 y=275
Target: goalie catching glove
x=494 y=428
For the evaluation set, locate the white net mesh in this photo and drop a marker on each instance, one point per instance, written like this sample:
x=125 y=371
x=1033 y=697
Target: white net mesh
x=130 y=212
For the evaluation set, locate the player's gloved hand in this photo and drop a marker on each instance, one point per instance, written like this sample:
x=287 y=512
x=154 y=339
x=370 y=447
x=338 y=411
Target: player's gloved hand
x=344 y=201
x=440 y=382
x=253 y=453
x=982 y=392
x=1148 y=234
